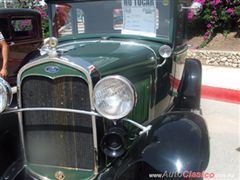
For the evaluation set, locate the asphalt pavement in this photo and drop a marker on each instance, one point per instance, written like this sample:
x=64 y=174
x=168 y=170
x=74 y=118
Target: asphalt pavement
x=223 y=121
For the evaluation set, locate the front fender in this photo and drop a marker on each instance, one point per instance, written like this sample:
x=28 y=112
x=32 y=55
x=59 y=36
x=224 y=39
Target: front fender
x=177 y=142
x=189 y=90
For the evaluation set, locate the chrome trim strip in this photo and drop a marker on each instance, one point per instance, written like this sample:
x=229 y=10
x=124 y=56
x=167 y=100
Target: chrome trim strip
x=20 y=122
x=40 y=177
x=54 y=166
x=13 y=170
x=35 y=175
x=66 y=62
x=181 y=51
x=14 y=89
x=110 y=41
x=144 y=129
x=13 y=110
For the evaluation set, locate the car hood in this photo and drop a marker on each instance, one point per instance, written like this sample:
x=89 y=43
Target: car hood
x=111 y=57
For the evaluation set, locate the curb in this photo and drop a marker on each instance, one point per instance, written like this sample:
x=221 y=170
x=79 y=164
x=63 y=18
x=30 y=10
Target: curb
x=221 y=94
x=215 y=93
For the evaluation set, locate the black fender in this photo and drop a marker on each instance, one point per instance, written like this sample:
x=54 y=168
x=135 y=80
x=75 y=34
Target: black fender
x=177 y=142
x=9 y=141
x=189 y=90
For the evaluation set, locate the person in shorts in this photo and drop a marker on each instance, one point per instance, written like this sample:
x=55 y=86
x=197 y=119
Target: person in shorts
x=4 y=47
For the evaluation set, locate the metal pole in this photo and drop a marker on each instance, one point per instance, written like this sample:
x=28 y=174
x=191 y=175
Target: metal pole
x=5 y=3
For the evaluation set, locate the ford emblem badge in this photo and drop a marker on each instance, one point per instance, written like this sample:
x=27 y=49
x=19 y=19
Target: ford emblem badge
x=52 y=69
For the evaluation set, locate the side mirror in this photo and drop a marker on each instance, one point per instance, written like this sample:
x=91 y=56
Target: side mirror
x=196 y=8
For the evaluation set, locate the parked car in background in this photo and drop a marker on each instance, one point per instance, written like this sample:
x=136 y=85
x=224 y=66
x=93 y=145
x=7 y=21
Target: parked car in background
x=22 y=30
x=113 y=97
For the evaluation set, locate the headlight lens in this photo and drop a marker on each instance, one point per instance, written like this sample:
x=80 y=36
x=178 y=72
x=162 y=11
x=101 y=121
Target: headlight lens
x=114 y=97
x=165 y=51
x=5 y=95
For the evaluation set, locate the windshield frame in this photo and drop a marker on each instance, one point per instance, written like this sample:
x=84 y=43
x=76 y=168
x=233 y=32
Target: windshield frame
x=76 y=35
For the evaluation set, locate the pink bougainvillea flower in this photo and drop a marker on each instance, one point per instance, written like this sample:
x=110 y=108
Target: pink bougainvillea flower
x=25 y=23
x=190 y=15
x=206 y=35
x=42 y=12
x=215 y=2
x=214 y=13
x=231 y=11
x=209 y=25
x=200 y=1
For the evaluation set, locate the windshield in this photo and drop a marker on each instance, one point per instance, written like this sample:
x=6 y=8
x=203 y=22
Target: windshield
x=149 y=18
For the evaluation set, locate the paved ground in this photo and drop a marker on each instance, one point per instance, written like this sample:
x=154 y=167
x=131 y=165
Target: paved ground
x=223 y=120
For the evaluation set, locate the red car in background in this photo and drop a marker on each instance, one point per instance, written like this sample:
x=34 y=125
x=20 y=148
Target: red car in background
x=22 y=30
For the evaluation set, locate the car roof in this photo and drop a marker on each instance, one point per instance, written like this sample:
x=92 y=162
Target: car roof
x=17 y=11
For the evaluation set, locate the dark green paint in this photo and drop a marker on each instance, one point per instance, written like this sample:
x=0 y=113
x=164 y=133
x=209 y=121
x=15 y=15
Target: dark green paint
x=141 y=110
x=159 y=39
x=113 y=57
x=173 y=93
x=49 y=172
x=39 y=70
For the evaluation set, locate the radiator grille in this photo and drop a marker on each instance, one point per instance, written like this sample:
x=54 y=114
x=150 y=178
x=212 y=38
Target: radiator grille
x=57 y=138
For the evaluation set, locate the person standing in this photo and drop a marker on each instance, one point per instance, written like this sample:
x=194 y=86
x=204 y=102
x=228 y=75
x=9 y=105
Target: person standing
x=4 y=47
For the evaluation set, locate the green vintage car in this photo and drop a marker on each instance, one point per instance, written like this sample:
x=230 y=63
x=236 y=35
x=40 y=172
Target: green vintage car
x=112 y=97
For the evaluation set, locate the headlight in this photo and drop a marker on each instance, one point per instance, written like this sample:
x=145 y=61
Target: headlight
x=5 y=95
x=114 y=97
x=165 y=51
